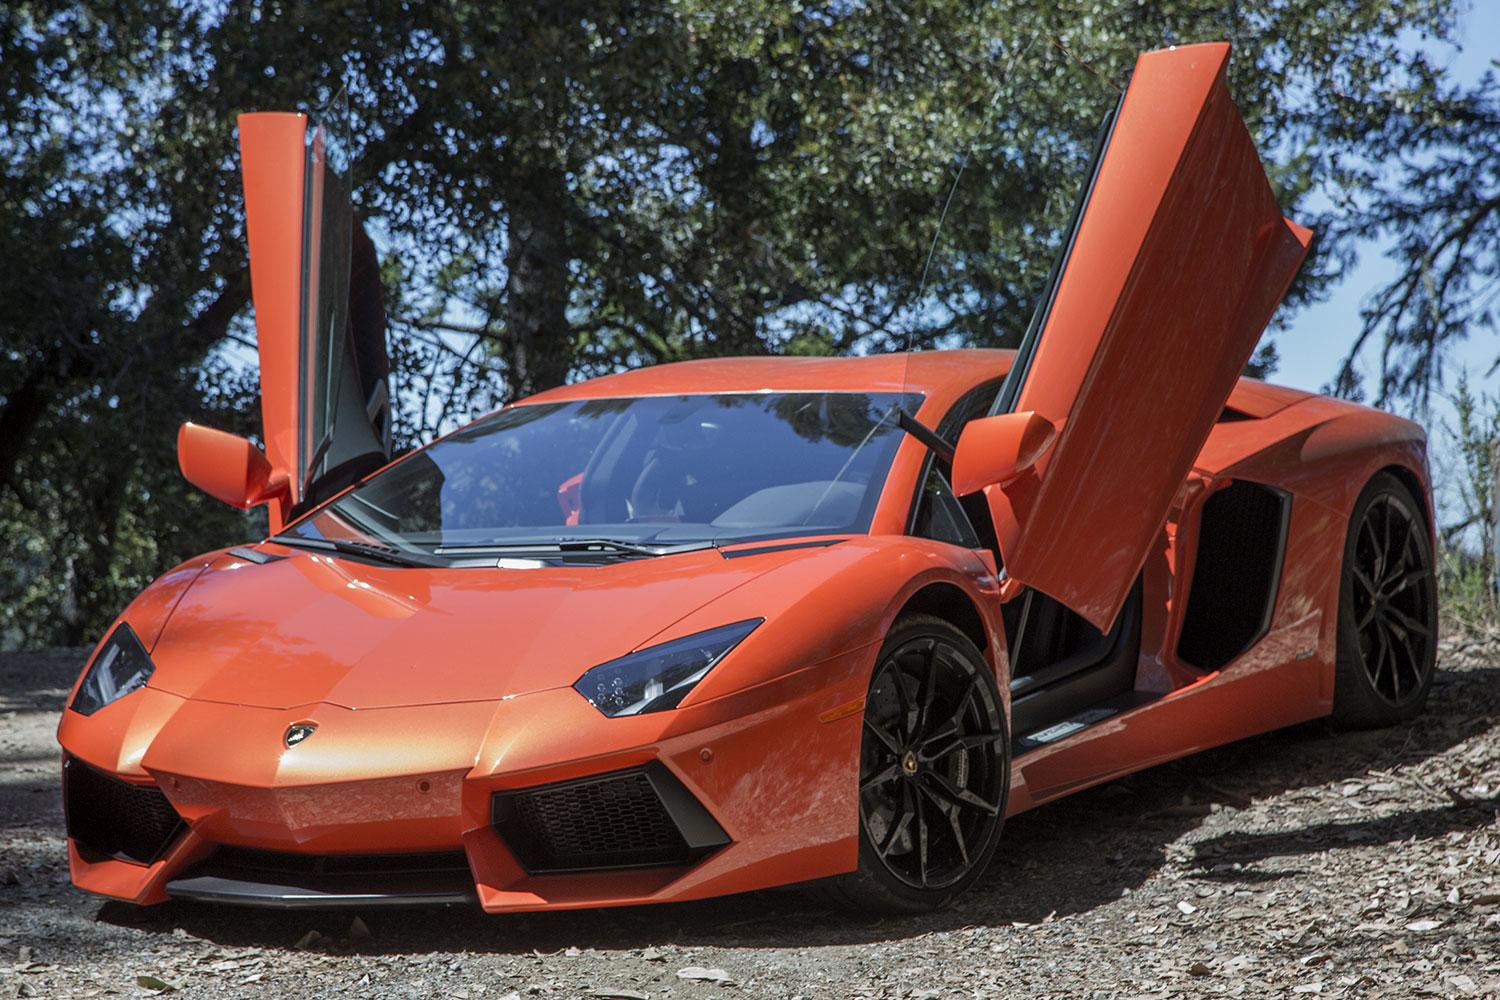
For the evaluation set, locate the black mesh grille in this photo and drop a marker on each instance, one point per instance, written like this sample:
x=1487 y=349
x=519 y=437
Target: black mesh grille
x=617 y=820
x=114 y=818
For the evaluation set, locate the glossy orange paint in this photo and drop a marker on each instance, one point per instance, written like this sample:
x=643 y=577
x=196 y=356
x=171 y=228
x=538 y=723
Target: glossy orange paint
x=1180 y=258
x=273 y=155
x=433 y=689
x=226 y=467
x=995 y=451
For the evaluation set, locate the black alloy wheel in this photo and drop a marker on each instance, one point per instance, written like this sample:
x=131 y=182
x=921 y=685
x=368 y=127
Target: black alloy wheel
x=1387 y=644
x=934 y=770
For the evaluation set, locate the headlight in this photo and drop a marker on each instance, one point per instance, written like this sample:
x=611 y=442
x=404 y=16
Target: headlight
x=121 y=667
x=658 y=678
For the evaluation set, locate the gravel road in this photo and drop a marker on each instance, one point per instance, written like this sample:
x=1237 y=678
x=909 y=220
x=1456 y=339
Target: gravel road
x=1303 y=862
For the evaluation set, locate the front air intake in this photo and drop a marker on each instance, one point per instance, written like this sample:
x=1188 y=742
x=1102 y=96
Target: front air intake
x=116 y=819
x=640 y=818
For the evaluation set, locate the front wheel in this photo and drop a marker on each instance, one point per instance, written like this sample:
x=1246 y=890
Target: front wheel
x=1387 y=633
x=934 y=772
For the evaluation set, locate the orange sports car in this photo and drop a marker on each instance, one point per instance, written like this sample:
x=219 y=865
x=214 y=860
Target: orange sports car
x=731 y=624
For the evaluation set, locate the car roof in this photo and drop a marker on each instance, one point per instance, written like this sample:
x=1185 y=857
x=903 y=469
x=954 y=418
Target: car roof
x=941 y=376
x=934 y=373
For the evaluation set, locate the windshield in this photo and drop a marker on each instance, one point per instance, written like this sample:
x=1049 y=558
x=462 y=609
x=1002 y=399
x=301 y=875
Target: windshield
x=657 y=469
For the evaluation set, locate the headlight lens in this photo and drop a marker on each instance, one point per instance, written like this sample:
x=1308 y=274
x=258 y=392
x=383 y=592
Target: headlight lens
x=658 y=678
x=121 y=667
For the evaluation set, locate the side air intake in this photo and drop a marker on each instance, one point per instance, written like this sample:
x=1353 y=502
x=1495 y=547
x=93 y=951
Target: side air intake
x=1241 y=541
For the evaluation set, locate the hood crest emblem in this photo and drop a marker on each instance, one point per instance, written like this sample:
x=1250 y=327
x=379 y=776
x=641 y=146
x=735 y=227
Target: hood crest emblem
x=299 y=731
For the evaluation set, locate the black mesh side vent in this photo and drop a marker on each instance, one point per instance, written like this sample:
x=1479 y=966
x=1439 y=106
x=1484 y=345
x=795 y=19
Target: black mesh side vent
x=627 y=819
x=1241 y=537
x=114 y=818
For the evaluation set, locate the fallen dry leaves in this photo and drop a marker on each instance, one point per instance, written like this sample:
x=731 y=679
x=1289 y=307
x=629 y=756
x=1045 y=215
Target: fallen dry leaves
x=1302 y=863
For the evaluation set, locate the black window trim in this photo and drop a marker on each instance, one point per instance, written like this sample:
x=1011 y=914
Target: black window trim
x=943 y=428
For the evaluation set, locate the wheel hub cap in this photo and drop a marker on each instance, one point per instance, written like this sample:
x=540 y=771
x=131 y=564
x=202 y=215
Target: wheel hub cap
x=909 y=762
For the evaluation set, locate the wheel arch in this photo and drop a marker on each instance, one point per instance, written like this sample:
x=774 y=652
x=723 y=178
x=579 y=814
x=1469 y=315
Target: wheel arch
x=957 y=599
x=1327 y=451
x=949 y=602
x=1415 y=486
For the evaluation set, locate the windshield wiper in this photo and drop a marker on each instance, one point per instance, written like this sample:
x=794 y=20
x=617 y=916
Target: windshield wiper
x=567 y=546
x=366 y=550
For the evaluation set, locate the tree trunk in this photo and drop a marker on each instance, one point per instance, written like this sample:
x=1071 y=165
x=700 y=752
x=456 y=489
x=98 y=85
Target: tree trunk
x=538 y=337
x=95 y=599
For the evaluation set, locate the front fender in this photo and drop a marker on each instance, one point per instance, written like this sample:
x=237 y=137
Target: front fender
x=834 y=601
x=148 y=614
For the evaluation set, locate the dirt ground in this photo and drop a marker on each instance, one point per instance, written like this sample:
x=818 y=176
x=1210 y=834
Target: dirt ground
x=1303 y=862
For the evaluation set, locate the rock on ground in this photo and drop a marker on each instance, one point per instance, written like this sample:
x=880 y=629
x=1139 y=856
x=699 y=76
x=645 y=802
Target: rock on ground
x=1303 y=862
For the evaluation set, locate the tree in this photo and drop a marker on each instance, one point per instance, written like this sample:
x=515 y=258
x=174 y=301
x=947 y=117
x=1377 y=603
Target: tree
x=1429 y=182
x=563 y=189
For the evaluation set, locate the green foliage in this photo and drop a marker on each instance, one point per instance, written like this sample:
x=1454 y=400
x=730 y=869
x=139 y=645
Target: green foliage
x=566 y=188
x=1466 y=595
x=1468 y=560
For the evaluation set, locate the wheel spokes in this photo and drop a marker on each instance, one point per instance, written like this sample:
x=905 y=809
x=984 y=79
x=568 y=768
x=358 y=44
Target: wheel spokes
x=958 y=835
x=1384 y=552
x=960 y=797
x=890 y=773
x=933 y=772
x=1392 y=609
x=903 y=700
x=1388 y=653
x=921 y=838
x=954 y=743
x=1406 y=622
x=899 y=822
x=1399 y=584
x=926 y=691
x=955 y=821
x=885 y=738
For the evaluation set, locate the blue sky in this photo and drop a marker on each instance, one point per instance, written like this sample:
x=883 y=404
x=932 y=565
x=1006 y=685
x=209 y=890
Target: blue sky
x=1314 y=345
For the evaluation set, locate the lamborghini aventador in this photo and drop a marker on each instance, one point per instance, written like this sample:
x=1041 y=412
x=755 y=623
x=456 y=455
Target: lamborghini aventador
x=730 y=624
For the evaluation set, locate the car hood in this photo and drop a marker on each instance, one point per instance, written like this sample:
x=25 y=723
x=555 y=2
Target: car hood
x=311 y=628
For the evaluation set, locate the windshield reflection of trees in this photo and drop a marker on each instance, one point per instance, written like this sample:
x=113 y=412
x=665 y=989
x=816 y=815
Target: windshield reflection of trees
x=506 y=471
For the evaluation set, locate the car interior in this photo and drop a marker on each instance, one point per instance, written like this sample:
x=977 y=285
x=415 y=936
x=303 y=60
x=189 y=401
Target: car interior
x=1064 y=672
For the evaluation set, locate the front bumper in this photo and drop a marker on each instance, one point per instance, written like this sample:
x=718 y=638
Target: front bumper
x=761 y=787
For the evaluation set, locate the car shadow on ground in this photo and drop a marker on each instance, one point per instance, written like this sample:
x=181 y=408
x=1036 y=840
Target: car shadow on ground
x=1062 y=859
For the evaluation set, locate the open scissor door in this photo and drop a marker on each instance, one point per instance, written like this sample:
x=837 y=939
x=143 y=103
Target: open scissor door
x=320 y=324
x=1177 y=258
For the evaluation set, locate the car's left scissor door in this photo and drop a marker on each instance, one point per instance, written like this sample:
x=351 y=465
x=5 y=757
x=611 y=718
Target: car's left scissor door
x=320 y=325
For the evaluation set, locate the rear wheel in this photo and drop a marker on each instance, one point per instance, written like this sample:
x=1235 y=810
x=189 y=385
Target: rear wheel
x=934 y=772
x=1387 y=638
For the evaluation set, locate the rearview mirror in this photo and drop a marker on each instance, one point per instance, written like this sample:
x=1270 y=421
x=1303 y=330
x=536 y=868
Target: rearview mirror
x=994 y=451
x=226 y=467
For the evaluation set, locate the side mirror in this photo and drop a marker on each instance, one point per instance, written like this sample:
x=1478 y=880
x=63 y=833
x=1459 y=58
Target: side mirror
x=994 y=451
x=226 y=467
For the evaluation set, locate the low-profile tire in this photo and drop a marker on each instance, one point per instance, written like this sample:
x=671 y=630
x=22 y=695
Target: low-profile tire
x=1387 y=632
x=934 y=772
